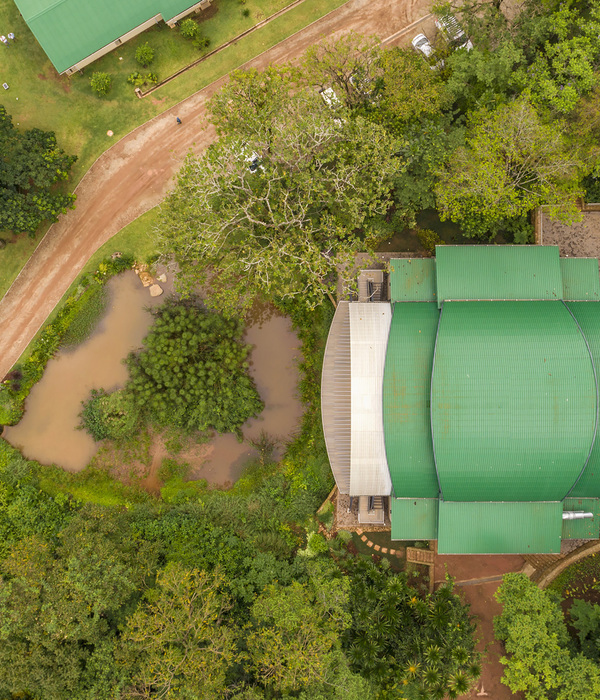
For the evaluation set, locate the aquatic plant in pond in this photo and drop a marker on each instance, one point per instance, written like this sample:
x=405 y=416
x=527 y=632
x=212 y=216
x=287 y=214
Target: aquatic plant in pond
x=191 y=374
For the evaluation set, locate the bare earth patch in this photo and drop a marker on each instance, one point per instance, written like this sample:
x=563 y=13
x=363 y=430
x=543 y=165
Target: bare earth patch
x=580 y=240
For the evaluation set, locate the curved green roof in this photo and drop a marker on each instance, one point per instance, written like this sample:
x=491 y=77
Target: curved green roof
x=513 y=401
x=406 y=392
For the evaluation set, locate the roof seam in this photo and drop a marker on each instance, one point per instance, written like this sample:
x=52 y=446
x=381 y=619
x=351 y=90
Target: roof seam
x=589 y=349
x=437 y=474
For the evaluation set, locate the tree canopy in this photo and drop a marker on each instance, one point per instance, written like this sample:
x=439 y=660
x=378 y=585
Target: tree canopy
x=31 y=167
x=282 y=200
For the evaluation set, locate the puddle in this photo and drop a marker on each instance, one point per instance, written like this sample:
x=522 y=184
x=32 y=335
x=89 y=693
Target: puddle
x=48 y=434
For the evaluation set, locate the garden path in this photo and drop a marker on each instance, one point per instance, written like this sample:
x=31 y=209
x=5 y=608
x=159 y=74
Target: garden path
x=135 y=174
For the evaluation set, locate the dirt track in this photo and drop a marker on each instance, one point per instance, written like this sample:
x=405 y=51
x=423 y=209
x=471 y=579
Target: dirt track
x=134 y=175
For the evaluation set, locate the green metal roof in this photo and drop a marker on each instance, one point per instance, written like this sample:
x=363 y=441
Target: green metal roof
x=414 y=518
x=586 y=529
x=406 y=395
x=499 y=528
x=513 y=401
x=71 y=30
x=581 y=281
x=498 y=272
x=412 y=279
x=588 y=317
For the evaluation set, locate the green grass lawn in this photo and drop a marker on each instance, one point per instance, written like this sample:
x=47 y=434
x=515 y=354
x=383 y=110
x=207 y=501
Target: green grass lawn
x=12 y=258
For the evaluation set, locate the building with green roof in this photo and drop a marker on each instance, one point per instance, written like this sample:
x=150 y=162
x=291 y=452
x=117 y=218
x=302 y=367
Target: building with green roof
x=481 y=382
x=74 y=33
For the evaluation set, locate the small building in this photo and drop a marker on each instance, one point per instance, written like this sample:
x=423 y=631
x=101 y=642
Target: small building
x=74 y=33
x=470 y=399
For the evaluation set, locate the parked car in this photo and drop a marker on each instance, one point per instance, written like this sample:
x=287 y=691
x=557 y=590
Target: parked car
x=422 y=44
x=453 y=32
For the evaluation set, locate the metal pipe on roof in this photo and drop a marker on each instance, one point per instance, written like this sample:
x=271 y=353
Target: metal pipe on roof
x=576 y=515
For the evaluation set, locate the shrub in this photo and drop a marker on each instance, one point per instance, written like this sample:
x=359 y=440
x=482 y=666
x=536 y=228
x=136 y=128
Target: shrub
x=101 y=83
x=201 y=42
x=189 y=29
x=317 y=544
x=111 y=416
x=246 y=12
x=429 y=239
x=139 y=80
x=144 y=55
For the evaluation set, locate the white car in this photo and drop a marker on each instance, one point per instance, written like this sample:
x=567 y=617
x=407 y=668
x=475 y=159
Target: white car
x=422 y=44
x=453 y=32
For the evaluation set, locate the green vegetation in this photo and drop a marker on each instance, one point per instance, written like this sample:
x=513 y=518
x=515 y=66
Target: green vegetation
x=144 y=55
x=544 y=661
x=579 y=580
x=91 y=308
x=74 y=320
x=211 y=597
x=101 y=83
x=191 y=374
x=31 y=166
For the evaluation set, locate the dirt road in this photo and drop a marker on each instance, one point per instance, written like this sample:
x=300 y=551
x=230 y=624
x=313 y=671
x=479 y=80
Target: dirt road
x=134 y=175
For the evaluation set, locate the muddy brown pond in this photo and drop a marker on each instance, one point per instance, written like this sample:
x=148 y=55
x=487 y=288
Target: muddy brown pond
x=48 y=430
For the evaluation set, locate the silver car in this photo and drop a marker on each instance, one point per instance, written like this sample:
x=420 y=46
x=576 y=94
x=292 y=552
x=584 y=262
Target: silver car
x=422 y=44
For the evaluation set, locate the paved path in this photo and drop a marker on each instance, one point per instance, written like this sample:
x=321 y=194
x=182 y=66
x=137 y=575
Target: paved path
x=134 y=175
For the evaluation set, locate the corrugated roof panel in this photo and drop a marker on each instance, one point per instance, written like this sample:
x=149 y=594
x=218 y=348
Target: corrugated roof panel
x=369 y=330
x=586 y=528
x=414 y=518
x=71 y=30
x=406 y=393
x=335 y=396
x=499 y=528
x=412 y=279
x=581 y=281
x=513 y=401
x=588 y=317
x=498 y=272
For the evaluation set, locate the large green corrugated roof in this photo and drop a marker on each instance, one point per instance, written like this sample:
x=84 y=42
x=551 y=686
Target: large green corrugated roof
x=587 y=315
x=71 y=30
x=581 y=281
x=412 y=279
x=498 y=272
x=513 y=401
x=499 y=528
x=406 y=393
x=414 y=518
